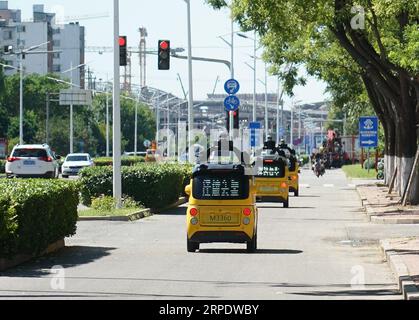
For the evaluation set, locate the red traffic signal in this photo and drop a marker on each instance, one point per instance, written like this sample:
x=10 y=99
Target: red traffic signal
x=164 y=45
x=123 y=51
x=122 y=41
x=164 y=55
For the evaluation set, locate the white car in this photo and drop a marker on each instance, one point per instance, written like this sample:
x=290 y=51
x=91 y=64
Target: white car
x=32 y=161
x=74 y=163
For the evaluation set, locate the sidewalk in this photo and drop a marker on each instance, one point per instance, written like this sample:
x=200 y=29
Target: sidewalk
x=382 y=207
x=401 y=254
x=403 y=257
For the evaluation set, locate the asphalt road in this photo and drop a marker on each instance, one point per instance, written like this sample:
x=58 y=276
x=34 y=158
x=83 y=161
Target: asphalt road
x=321 y=248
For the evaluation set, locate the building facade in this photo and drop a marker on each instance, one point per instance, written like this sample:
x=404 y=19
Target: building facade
x=68 y=40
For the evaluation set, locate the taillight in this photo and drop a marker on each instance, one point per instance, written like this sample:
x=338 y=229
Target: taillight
x=193 y=212
x=12 y=159
x=284 y=185
x=247 y=212
x=46 y=159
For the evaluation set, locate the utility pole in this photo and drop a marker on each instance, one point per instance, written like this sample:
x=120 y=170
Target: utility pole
x=117 y=180
x=71 y=113
x=136 y=128
x=21 y=100
x=292 y=126
x=299 y=128
x=190 y=97
x=47 y=119
x=107 y=122
x=254 y=76
x=266 y=103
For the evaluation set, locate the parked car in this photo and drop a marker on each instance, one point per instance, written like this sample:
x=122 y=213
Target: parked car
x=32 y=161
x=74 y=163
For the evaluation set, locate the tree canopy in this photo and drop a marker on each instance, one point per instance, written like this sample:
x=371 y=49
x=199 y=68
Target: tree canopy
x=367 y=51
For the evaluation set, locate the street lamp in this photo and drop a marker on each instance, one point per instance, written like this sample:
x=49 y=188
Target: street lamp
x=71 y=105
x=20 y=54
x=190 y=95
x=265 y=83
x=253 y=68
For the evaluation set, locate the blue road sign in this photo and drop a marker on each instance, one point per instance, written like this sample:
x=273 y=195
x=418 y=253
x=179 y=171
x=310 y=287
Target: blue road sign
x=232 y=86
x=254 y=126
x=232 y=103
x=368 y=132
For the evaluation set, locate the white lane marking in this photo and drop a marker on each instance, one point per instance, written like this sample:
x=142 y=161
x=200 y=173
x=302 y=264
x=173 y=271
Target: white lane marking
x=329 y=185
x=352 y=185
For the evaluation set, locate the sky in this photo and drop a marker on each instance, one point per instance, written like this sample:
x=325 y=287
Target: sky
x=166 y=19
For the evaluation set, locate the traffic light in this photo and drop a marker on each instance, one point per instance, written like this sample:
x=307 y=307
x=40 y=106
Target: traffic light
x=236 y=120
x=123 y=52
x=164 y=55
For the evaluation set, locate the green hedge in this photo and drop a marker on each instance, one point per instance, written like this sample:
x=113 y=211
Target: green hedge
x=36 y=213
x=153 y=185
x=2 y=166
x=125 y=161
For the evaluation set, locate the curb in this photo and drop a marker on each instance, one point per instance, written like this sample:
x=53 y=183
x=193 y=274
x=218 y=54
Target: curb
x=406 y=284
x=131 y=217
x=394 y=220
x=180 y=202
x=22 y=258
x=383 y=217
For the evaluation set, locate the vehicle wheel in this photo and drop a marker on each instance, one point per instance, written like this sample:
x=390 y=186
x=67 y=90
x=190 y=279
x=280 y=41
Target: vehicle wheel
x=253 y=244
x=287 y=204
x=192 y=246
x=297 y=193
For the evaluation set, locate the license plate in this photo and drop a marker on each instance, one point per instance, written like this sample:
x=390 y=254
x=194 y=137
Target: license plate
x=28 y=163
x=268 y=189
x=221 y=219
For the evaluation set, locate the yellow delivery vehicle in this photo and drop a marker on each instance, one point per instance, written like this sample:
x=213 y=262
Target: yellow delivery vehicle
x=272 y=182
x=294 y=179
x=222 y=206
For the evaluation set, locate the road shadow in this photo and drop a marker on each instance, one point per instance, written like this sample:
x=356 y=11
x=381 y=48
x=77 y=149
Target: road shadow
x=179 y=211
x=308 y=196
x=350 y=293
x=281 y=207
x=243 y=251
x=405 y=252
x=67 y=257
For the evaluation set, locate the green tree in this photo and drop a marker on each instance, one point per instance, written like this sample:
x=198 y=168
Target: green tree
x=379 y=59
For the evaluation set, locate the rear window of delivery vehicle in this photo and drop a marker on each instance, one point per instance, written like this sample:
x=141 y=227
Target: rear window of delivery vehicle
x=76 y=158
x=274 y=169
x=221 y=187
x=30 y=153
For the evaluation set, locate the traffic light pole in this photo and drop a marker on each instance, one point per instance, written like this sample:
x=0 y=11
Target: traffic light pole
x=21 y=100
x=117 y=183
x=190 y=97
x=231 y=119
